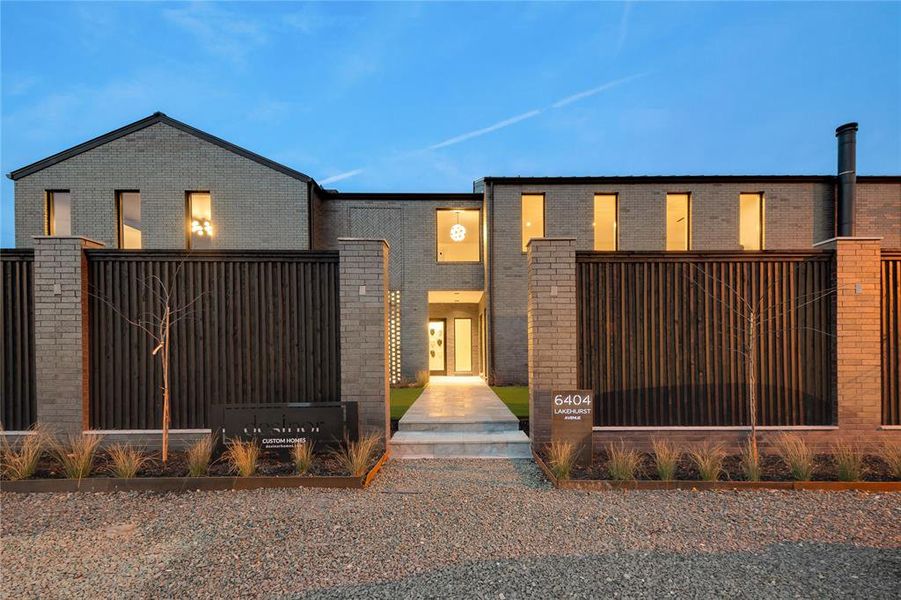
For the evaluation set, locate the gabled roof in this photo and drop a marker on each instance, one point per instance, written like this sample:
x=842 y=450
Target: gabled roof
x=153 y=119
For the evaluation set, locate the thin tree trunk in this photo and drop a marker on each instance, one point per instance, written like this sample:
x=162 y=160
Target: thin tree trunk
x=166 y=386
x=752 y=382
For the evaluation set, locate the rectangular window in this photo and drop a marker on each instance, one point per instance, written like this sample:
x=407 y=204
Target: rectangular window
x=678 y=221
x=532 y=218
x=463 y=345
x=129 y=209
x=59 y=212
x=750 y=221
x=200 y=220
x=458 y=235
x=605 y=235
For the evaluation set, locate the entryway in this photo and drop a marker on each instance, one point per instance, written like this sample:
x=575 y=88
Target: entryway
x=459 y=417
x=456 y=332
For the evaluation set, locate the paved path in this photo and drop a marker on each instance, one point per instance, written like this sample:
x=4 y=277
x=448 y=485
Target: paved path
x=459 y=417
x=457 y=400
x=451 y=529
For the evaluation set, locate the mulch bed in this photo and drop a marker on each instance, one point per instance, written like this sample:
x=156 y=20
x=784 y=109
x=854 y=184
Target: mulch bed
x=772 y=469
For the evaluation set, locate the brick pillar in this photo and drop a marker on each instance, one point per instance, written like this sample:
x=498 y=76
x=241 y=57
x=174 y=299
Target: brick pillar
x=551 y=328
x=858 y=343
x=61 y=332
x=364 y=331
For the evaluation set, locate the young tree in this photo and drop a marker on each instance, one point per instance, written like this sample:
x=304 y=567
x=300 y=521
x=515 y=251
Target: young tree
x=158 y=323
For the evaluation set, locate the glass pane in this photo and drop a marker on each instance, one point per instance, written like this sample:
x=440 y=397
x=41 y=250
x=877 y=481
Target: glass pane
x=201 y=204
x=60 y=213
x=532 y=218
x=677 y=225
x=436 y=346
x=130 y=214
x=463 y=345
x=604 y=222
x=458 y=235
x=750 y=229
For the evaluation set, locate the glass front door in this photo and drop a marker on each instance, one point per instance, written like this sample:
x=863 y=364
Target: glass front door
x=437 y=364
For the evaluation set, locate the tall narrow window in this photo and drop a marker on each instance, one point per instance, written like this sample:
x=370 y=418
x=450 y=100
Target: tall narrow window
x=200 y=220
x=532 y=218
x=129 y=208
x=59 y=213
x=678 y=221
x=458 y=235
x=604 y=222
x=750 y=221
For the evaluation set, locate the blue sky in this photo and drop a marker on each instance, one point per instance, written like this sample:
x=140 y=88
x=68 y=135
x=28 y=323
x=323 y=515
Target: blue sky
x=428 y=97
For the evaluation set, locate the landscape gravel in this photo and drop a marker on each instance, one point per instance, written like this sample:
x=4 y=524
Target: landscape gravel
x=441 y=529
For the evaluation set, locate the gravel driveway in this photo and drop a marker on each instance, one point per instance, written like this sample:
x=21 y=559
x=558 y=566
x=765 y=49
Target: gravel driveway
x=489 y=529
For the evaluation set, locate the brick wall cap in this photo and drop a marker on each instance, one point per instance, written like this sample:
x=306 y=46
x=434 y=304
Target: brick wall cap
x=68 y=237
x=351 y=240
x=847 y=239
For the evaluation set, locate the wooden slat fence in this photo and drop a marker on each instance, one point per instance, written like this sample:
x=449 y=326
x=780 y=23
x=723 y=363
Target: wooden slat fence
x=891 y=337
x=263 y=329
x=18 y=411
x=662 y=337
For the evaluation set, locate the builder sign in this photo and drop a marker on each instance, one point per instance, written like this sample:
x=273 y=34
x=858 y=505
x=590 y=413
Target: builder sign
x=279 y=426
x=572 y=419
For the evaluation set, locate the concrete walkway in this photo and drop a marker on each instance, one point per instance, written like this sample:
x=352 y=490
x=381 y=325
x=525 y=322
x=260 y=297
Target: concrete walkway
x=459 y=417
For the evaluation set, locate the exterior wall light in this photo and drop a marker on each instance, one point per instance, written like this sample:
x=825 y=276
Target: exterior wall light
x=202 y=228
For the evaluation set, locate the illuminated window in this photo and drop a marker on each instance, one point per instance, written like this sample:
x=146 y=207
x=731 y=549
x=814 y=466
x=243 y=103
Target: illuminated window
x=750 y=221
x=532 y=218
x=59 y=213
x=200 y=220
x=458 y=235
x=604 y=222
x=129 y=208
x=678 y=221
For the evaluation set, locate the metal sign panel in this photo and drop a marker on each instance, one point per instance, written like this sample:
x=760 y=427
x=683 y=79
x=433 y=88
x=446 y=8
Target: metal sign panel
x=572 y=420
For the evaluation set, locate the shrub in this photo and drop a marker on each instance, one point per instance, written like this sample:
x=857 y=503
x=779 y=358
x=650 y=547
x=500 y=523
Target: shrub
x=561 y=458
x=708 y=459
x=354 y=457
x=126 y=461
x=750 y=463
x=848 y=462
x=422 y=378
x=891 y=455
x=76 y=455
x=20 y=460
x=622 y=464
x=198 y=456
x=242 y=457
x=666 y=458
x=302 y=456
x=796 y=454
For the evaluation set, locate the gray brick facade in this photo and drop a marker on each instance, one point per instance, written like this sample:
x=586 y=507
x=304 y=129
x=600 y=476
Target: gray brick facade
x=60 y=331
x=363 y=290
x=253 y=206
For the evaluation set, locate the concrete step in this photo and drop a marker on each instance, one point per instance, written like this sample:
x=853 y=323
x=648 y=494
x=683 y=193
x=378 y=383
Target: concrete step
x=460 y=444
x=459 y=425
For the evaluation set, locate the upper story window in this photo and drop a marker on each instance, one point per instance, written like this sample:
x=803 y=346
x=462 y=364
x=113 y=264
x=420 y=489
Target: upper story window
x=129 y=210
x=200 y=220
x=458 y=235
x=532 y=218
x=678 y=221
x=59 y=212
x=750 y=221
x=605 y=234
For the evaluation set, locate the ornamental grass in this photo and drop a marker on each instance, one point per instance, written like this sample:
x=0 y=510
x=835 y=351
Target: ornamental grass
x=198 y=456
x=76 y=454
x=796 y=455
x=302 y=457
x=126 y=461
x=848 y=460
x=666 y=458
x=622 y=463
x=355 y=457
x=19 y=460
x=242 y=456
x=708 y=458
x=561 y=458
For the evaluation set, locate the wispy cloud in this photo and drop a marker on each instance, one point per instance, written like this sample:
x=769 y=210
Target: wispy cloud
x=225 y=33
x=500 y=124
x=478 y=132
x=341 y=176
x=623 y=27
x=595 y=90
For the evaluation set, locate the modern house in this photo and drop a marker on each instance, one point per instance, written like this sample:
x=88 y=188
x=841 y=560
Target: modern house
x=457 y=260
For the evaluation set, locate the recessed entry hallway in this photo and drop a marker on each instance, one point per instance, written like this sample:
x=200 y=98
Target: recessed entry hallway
x=459 y=417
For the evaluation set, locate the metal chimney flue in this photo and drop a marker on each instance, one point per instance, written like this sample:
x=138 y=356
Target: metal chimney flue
x=847 y=178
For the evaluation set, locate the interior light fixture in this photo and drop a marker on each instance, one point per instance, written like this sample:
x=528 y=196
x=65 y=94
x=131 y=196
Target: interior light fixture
x=202 y=228
x=458 y=232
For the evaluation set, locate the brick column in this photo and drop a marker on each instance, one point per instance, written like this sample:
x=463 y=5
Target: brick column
x=61 y=332
x=858 y=343
x=364 y=331
x=551 y=328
